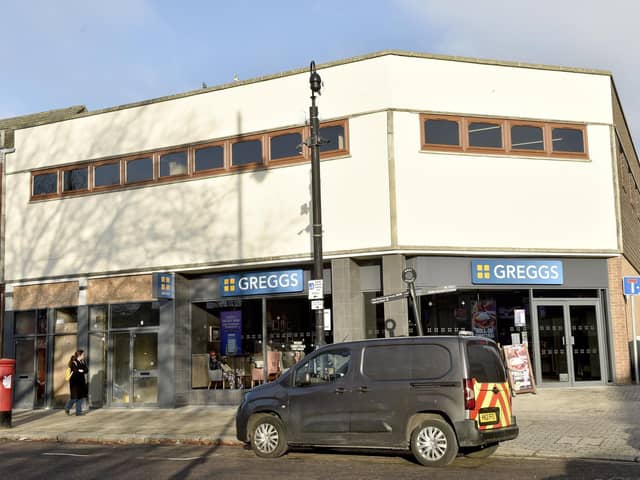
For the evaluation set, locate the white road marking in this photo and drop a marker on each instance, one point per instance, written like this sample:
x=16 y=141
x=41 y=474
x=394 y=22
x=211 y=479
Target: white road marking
x=173 y=459
x=67 y=454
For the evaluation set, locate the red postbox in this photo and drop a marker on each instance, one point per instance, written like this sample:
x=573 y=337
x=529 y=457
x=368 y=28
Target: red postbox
x=7 y=376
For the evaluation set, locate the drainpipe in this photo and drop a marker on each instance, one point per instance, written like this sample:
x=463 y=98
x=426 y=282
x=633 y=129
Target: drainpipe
x=3 y=154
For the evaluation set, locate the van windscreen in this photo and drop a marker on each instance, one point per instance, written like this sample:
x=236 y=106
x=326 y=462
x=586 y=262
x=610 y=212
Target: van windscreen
x=485 y=363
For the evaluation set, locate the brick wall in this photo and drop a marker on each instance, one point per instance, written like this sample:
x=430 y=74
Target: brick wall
x=621 y=328
x=61 y=294
x=628 y=188
x=120 y=289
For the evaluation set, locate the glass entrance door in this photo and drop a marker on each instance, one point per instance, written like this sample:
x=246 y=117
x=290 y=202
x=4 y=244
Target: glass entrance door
x=568 y=341
x=584 y=343
x=554 y=366
x=134 y=366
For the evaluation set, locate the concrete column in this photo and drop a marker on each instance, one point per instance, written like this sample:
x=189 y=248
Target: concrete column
x=182 y=340
x=8 y=350
x=166 y=355
x=83 y=328
x=396 y=312
x=347 y=301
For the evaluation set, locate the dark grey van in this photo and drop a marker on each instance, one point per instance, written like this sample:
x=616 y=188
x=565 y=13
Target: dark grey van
x=435 y=396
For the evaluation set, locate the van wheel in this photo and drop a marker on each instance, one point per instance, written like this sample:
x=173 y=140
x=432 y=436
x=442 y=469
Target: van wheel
x=482 y=452
x=268 y=437
x=434 y=443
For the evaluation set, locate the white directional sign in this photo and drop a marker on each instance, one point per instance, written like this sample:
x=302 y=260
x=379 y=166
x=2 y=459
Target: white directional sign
x=327 y=319
x=317 y=304
x=419 y=291
x=388 y=298
x=315 y=289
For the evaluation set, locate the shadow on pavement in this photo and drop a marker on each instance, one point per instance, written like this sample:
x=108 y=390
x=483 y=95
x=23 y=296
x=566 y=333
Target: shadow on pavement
x=23 y=417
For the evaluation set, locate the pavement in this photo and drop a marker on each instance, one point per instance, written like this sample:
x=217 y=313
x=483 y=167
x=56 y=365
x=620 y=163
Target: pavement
x=600 y=422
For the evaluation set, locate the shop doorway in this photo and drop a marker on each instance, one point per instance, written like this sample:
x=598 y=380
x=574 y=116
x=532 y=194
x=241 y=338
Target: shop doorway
x=31 y=372
x=134 y=368
x=568 y=341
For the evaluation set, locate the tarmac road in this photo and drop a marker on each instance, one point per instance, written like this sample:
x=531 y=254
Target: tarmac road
x=37 y=460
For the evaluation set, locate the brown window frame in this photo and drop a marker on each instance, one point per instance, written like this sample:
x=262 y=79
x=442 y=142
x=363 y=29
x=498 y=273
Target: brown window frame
x=285 y=160
x=209 y=171
x=247 y=166
x=64 y=192
x=227 y=144
x=525 y=123
x=475 y=149
x=100 y=163
x=572 y=126
x=340 y=152
x=43 y=196
x=441 y=146
x=167 y=178
x=507 y=149
x=154 y=169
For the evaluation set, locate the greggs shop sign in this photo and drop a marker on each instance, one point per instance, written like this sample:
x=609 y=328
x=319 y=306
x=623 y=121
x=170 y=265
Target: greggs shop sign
x=260 y=283
x=514 y=272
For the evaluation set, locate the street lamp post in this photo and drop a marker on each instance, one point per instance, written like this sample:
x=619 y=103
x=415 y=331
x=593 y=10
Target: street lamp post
x=315 y=83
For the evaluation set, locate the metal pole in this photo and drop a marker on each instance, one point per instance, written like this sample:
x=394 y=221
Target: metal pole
x=416 y=311
x=3 y=158
x=264 y=340
x=316 y=201
x=635 y=341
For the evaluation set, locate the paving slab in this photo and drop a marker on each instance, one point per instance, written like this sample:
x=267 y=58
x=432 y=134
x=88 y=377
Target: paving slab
x=600 y=422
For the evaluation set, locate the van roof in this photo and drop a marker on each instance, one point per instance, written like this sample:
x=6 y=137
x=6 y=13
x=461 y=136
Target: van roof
x=405 y=340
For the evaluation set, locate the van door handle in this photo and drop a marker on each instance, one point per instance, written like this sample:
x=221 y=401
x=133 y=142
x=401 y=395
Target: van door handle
x=363 y=389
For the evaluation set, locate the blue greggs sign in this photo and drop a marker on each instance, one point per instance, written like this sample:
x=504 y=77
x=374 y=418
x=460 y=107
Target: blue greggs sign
x=512 y=272
x=163 y=285
x=260 y=283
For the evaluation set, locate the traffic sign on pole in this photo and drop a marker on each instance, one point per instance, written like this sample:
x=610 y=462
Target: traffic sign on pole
x=315 y=289
x=631 y=285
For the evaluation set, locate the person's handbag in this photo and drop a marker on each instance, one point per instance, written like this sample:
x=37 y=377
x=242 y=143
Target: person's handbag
x=67 y=374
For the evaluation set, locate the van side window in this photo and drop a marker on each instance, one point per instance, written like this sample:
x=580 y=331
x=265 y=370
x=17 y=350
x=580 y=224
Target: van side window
x=406 y=362
x=328 y=367
x=485 y=363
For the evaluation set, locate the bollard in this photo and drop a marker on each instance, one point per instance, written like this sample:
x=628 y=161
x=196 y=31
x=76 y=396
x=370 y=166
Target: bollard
x=7 y=375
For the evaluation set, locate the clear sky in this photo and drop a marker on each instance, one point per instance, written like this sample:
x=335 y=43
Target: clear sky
x=111 y=52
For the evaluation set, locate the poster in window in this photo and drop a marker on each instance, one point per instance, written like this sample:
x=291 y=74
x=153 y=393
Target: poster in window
x=483 y=318
x=231 y=332
x=519 y=368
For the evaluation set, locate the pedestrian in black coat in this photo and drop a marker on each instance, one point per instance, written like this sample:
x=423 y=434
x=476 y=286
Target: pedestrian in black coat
x=77 y=383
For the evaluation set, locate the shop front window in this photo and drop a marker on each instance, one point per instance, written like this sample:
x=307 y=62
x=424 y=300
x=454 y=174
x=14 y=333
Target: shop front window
x=489 y=314
x=98 y=318
x=67 y=320
x=132 y=315
x=31 y=322
x=233 y=329
x=373 y=316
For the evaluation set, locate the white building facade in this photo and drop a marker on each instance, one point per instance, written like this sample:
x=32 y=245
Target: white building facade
x=501 y=179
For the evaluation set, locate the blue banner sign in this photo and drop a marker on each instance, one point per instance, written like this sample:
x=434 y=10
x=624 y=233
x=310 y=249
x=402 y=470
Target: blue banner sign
x=163 y=286
x=260 y=283
x=516 y=272
x=631 y=285
x=231 y=332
